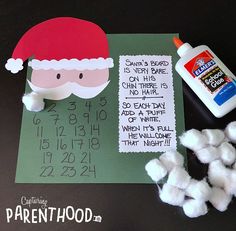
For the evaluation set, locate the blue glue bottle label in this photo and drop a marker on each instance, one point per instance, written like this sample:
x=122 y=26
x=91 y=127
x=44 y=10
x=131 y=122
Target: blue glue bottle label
x=212 y=77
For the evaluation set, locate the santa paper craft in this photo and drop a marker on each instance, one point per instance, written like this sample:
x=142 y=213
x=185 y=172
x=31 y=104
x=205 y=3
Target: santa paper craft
x=68 y=56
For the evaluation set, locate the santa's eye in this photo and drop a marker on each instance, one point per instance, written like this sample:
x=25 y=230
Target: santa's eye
x=58 y=76
x=81 y=75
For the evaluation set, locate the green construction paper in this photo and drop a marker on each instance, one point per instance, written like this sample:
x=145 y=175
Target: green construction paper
x=76 y=140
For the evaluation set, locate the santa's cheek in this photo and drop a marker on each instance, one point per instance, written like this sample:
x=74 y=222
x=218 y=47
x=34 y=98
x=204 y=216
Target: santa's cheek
x=92 y=78
x=47 y=79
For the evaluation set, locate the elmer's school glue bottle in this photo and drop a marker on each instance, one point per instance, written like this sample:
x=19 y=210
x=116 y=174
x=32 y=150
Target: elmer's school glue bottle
x=207 y=76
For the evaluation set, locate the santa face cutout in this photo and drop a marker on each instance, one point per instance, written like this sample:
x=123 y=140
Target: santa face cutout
x=60 y=84
x=69 y=56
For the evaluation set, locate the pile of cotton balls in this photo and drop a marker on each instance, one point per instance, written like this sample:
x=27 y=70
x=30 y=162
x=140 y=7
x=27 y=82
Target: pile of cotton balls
x=211 y=146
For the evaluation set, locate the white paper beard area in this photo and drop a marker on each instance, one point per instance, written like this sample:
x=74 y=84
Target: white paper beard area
x=65 y=90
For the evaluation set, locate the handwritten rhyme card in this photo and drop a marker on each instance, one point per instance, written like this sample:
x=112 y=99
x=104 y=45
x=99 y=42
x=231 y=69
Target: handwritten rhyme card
x=146 y=104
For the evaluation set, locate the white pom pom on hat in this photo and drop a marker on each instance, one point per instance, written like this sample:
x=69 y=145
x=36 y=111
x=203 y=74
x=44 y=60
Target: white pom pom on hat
x=14 y=65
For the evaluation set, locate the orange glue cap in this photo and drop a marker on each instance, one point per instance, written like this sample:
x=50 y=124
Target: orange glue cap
x=177 y=42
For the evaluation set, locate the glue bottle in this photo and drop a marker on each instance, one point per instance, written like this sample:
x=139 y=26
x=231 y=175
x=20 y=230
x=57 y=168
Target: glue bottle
x=207 y=76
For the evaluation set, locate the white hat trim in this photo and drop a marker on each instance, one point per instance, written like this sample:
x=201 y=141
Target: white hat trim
x=71 y=64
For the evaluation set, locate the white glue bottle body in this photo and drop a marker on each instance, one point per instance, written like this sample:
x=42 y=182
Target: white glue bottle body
x=207 y=76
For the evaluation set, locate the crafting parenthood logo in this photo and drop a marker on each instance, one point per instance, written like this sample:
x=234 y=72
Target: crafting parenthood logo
x=36 y=210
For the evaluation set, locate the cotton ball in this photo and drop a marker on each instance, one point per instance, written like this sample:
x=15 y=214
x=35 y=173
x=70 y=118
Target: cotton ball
x=33 y=102
x=156 y=170
x=194 y=208
x=234 y=166
x=208 y=154
x=172 y=195
x=230 y=131
x=217 y=173
x=230 y=183
x=219 y=199
x=193 y=139
x=214 y=136
x=179 y=177
x=171 y=159
x=227 y=153
x=199 y=190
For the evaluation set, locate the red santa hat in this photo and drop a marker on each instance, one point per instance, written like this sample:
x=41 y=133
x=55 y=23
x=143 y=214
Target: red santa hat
x=62 y=43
